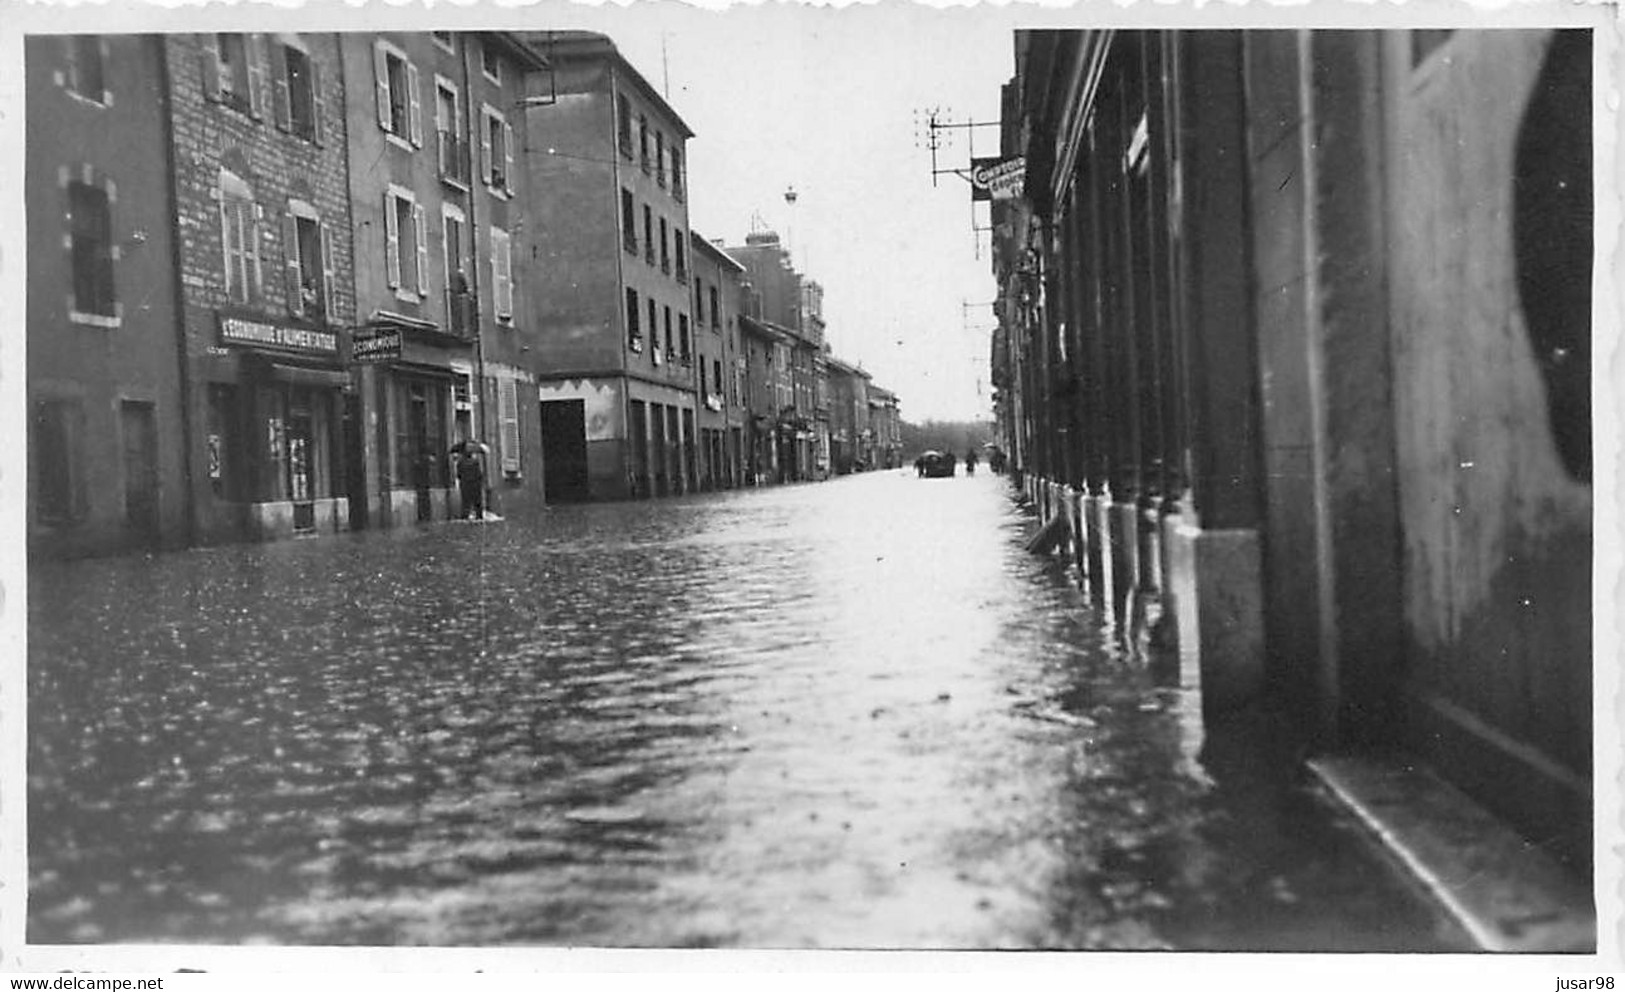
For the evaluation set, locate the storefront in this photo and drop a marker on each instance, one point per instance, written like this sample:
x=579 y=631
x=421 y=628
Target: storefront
x=420 y=393
x=277 y=402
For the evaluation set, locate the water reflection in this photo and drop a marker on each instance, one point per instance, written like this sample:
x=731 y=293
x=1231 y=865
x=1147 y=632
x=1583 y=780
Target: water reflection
x=853 y=714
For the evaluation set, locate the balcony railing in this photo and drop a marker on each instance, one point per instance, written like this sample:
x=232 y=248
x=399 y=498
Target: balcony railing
x=454 y=159
x=629 y=239
x=459 y=313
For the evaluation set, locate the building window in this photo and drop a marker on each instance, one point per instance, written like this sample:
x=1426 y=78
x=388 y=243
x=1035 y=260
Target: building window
x=665 y=248
x=716 y=322
x=677 y=172
x=453 y=238
x=443 y=39
x=496 y=148
x=654 y=332
x=716 y=376
x=682 y=259
x=448 y=126
x=671 y=340
x=490 y=62
x=648 y=235
x=406 y=253
x=400 y=109
x=634 y=333
x=623 y=121
x=502 y=274
x=308 y=283
x=297 y=93
x=233 y=75
x=660 y=158
x=86 y=74
x=508 y=417
x=53 y=449
x=90 y=232
x=629 y=222
x=682 y=339
x=643 y=143
x=240 y=220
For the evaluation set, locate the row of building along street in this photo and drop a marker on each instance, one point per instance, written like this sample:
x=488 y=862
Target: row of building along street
x=1293 y=357
x=275 y=280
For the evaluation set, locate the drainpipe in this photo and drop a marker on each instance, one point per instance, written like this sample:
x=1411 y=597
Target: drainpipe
x=475 y=318
x=188 y=401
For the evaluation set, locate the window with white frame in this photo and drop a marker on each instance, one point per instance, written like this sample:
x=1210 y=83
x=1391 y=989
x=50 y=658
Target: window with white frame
x=233 y=74
x=91 y=249
x=406 y=249
x=654 y=332
x=502 y=274
x=307 y=263
x=443 y=39
x=296 y=91
x=448 y=127
x=85 y=76
x=454 y=248
x=496 y=151
x=240 y=219
x=490 y=62
x=634 y=332
x=400 y=108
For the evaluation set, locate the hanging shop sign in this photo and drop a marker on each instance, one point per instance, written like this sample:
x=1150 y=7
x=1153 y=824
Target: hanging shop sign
x=997 y=178
x=286 y=337
x=376 y=344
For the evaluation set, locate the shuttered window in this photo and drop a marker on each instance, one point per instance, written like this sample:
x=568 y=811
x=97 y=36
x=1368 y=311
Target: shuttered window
x=508 y=414
x=502 y=274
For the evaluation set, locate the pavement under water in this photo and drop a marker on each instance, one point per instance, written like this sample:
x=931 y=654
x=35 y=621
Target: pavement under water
x=853 y=714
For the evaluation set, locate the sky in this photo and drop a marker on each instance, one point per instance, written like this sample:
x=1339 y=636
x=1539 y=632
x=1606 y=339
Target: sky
x=827 y=101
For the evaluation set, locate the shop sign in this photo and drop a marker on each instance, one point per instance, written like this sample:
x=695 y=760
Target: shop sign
x=258 y=333
x=997 y=178
x=379 y=344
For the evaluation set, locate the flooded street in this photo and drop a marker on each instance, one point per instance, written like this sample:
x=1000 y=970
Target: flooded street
x=854 y=714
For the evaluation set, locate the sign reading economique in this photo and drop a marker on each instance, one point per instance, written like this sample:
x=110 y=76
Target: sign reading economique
x=241 y=330
x=381 y=344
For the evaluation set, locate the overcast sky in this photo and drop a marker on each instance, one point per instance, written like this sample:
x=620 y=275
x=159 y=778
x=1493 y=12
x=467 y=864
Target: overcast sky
x=826 y=100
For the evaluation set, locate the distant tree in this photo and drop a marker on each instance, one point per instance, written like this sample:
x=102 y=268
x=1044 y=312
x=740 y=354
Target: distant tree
x=956 y=436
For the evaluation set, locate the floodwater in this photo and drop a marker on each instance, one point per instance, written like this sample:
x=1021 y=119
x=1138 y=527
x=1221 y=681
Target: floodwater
x=848 y=714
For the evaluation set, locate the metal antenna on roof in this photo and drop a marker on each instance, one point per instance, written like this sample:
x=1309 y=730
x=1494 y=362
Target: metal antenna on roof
x=665 y=69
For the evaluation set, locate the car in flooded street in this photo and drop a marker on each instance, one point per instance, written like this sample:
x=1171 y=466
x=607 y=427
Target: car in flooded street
x=934 y=465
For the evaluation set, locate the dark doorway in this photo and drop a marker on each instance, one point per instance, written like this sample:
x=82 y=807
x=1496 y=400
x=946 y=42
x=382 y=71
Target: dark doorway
x=355 y=473
x=422 y=459
x=140 y=470
x=564 y=447
x=301 y=484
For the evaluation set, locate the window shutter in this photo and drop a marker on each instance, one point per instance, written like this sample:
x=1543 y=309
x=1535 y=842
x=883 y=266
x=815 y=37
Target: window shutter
x=290 y=264
x=507 y=156
x=280 y=101
x=209 y=60
x=485 y=147
x=107 y=60
x=420 y=232
x=330 y=283
x=392 y=243
x=414 y=105
x=70 y=57
x=380 y=78
x=318 y=102
x=508 y=411
x=254 y=52
x=257 y=288
x=231 y=266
